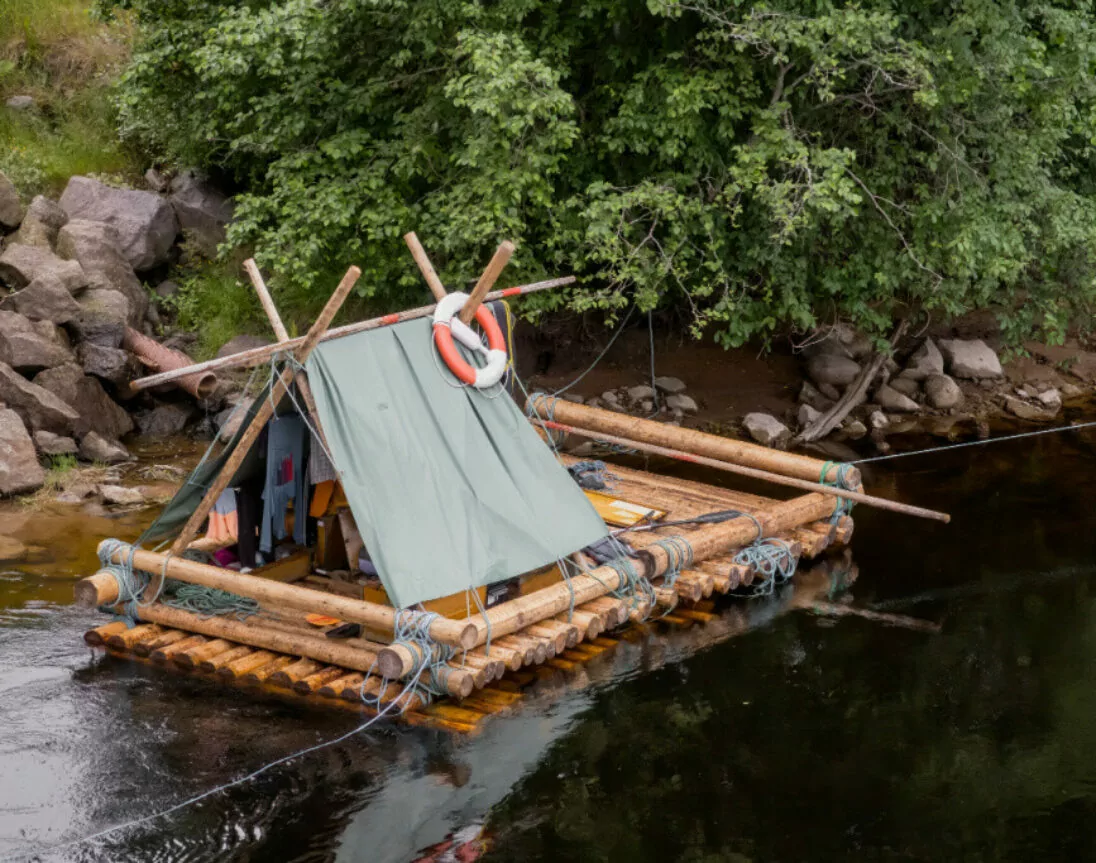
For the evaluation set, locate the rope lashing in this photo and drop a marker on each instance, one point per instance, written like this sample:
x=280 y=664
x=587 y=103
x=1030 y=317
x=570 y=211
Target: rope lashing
x=679 y=555
x=592 y=475
x=412 y=631
x=844 y=505
x=772 y=558
x=548 y=414
x=131 y=583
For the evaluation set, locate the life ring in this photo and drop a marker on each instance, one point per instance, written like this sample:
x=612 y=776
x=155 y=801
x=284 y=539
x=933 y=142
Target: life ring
x=447 y=325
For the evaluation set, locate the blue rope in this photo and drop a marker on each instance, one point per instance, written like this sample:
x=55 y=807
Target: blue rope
x=593 y=475
x=771 y=558
x=679 y=553
x=841 y=480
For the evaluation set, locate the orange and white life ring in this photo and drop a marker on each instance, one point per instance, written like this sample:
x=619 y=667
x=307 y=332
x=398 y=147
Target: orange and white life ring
x=447 y=325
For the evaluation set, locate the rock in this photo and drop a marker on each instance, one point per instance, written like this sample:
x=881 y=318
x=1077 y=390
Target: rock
x=807 y=415
x=573 y=398
x=647 y=406
x=21 y=102
x=641 y=392
x=1071 y=391
x=907 y=386
x=1051 y=399
x=229 y=420
x=832 y=369
x=926 y=360
x=669 y=385
x=167 y=289
x=156 y=181
x=109 y=364
x=94 y=447
x=165 y=420
x=30 y=346
x=49 y=443
x=809 y=394
x=11 y=550
x=38 y=407
x=855 y=429
x=682 y=402
x=95 y=246
x=878 y=420
x=611 y=399
x=44 y=218
x=971 y=359
x=19 y=468
x=890 y=399
x=94 y=409
x=145 y=223
x=75 y=493
x=241 y=343
x=119 y=495
x=1025 y=411
x=201 y=210
x=103 y=318
x=44 y=299
x=858 y=345
x=20 y=265
x=829 y=391
x=767 y=430
x=942 y=392
x=11 y=208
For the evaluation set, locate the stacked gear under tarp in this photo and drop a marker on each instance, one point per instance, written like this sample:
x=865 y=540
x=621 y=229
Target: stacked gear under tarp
x=450 y=487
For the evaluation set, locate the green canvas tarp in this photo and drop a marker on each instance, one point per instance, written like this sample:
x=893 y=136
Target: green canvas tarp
x=451 y=488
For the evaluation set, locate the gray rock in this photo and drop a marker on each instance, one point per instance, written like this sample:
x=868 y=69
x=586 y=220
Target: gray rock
x=20 y=471
x=855 y=429
x=30 y=346
x=669 y=385
x=926 y=360
x=94 y=245
x=807 y=415
x=49 y=443
x=119 y=495
x=145 y=223
x=22 y=102
x=942 y=392
x=646 y=406
x=95 y=410
x=832 y=369
x=44 y=218
x=104 y=315
x=972 y=359
x=1051 y=399
x=38 y=406
x=165 y=420
x=907 y=386
x=202 y=210
x=878 y=420
x=167 y=289
x=20 y=265
x=573 y=398
x=682 y=402
x=809 y=394
x=1026 y=411
x=156 y=181
x=641 y=392
x=767 y=430
x=44 y=299
x=229 y=420
x=611 y=398
x=858 y=345
x=1071 y=391
x=829 y=391
x=109 y=364
x=890 y=399
x=95 y=447
x=241 y=343
x=11 y=208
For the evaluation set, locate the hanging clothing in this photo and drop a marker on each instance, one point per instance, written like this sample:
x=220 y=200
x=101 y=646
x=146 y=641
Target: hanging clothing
x=223 y=519
x=249 y=510
x=286 y=481
x=320 y=468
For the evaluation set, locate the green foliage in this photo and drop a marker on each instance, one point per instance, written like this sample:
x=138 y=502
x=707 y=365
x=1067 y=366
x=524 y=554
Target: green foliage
x=761 y=165
x=213 y=302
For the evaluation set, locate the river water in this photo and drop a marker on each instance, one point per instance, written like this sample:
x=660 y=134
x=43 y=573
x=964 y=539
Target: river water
x=803 y=738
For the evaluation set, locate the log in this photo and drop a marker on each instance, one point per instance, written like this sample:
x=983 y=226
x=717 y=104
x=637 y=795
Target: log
x=266 y=410
x=706 y=542
x=486 y=281
x=730 y=467
x=216 y=663
x=290 y=674
x=192 y=658
x=96 y=590
x=262 y=672
x=510 y=658
x=526 y=650
x=125 y=639
x=478 y=675
x=314 y=681
x=424 y=265
x=163 y=655
x=843 y=533
x=589 y=623
x=569 y=631
x=615 y=611
x=161 y=359
x=557 y=639
x=261 y=356
x=456 y=633
x=334 y=688
x=246 y=664
x=688 y=440
x=97 y=637
x=536 y=651
x=171 y=636
x=548 y=644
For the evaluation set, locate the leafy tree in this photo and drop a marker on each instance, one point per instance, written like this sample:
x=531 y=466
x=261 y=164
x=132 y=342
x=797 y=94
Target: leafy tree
x=758 y=165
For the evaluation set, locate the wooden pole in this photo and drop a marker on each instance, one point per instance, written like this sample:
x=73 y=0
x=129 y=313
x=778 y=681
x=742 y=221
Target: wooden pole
x=806 y=485
x=266 y=410
x=259 y=356
x=457 y=633
x=487 y=281
x=687 y=440
x=425 y=267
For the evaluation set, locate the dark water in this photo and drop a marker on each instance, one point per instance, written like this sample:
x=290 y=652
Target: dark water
x=805 y=738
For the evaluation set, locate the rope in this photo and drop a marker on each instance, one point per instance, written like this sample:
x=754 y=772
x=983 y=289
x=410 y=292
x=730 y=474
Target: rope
x=679 y=554
x=773 y=559
x=209 y=602
x=600 y=356
x=131 y=584
x=843 y=506
x=593 y=475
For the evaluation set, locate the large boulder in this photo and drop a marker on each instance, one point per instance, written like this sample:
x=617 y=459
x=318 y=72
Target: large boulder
x=30 y=346
x=95 y=245
x=95 y=410
x=20 y=471
x=113 y=365
x=972 y=359
x=43 y=220
x=11 y=209
x=44 y=299
x=907 y=386
x=102 y=319
x=943 y=393
x=832 y=369
x=165 y=420
x=95 y=447
x=202 y=211
x=49 y=443
x=37 y=405
x=767 y=430
x=20 y=265
x=925 y=361
x=144 y=222
x=670 y=386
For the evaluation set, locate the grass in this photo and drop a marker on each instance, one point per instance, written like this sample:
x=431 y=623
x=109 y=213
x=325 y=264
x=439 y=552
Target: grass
x=62 y=55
